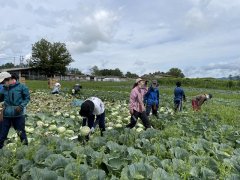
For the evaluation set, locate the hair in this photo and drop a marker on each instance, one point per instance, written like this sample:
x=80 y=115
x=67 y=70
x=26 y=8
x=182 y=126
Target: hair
x=178 y=84
x=135 y=85
x=86 y=108
x=14 y=76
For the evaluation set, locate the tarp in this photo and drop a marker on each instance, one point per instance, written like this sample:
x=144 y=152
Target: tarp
x=77 y=102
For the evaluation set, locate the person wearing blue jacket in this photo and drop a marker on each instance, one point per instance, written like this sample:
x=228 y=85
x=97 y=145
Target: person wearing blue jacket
x=1 y=88
x=179 y=96
x=151 y=99
x=16 y=96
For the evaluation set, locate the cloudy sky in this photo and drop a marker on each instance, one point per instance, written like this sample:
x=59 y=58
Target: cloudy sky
x=201 y=37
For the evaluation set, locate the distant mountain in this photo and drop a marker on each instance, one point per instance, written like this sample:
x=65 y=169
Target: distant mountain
x=231 y=78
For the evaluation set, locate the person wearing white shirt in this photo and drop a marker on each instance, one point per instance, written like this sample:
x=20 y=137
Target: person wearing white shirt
x=92 y=108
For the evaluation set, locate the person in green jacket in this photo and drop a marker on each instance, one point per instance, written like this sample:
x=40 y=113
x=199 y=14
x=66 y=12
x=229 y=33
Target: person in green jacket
x=16 y=96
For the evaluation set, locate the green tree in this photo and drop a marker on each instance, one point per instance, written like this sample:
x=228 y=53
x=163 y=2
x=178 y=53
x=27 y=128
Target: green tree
x=131 y=75
x=230 y=84
x=176 y=72
x=50 y=58
x=7 y=65
x=94 y=71
x=74 y=71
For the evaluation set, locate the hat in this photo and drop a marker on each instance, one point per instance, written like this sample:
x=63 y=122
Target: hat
x=57 y=84
x=4 y=75
x=86 y=108
x=139 y=79
x=154 y=82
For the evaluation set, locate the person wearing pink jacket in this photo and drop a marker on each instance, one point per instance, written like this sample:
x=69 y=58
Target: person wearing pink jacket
x=136 y=104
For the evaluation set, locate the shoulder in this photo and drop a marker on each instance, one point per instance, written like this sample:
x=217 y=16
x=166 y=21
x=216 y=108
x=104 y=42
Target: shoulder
x=134 y=90
x=23 y=86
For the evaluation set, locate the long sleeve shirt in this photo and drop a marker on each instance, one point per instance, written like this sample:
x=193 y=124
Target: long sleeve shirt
x=136 y=99
x=200 y=99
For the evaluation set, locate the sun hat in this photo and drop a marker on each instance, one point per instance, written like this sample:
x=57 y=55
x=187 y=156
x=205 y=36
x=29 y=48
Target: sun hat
x=57 y=84
x=4 y=75
x=139 y=79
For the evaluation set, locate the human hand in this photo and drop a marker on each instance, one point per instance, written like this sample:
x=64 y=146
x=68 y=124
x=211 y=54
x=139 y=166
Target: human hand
x=92 y=130
x=131 y=112
x=18 y=109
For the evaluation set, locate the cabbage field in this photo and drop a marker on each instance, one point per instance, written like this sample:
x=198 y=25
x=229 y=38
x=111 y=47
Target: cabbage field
x=186 y=145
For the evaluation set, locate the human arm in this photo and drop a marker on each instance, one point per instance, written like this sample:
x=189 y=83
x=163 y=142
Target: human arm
x=25 y=97
x=184 y=96
x=132 y=101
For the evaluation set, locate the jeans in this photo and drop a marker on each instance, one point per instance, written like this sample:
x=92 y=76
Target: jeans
x=100 y=119
x=178 y=105
x=143 y=116
x=18 y=124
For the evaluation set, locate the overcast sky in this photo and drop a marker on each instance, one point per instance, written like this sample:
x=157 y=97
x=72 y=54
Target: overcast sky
x=201 y=37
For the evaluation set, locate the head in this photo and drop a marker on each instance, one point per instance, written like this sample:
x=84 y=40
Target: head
x=57 y=84
x=86 y=108
x=178 y=84
x=154 y=83
x=15 y=76
x=140 y=82
x=209 y=96
x=6 y=78
x=77 y=86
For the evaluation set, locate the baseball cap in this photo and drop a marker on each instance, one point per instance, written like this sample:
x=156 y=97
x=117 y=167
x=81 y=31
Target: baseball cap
x=4 y=75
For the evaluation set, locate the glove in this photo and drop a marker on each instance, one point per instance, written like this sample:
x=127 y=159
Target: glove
x=92 y=130
x=18 y=109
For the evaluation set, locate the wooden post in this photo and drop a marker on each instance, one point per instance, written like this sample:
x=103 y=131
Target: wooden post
x=51 y=82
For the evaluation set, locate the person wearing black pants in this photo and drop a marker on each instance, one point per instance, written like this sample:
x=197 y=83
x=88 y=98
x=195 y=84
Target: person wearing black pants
x=151 y=99
x=91 y=108
x=143 y=116
x=15 y=96
x=136 y=105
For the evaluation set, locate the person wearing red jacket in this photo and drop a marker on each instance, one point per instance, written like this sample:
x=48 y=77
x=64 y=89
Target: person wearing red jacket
x=198 y=101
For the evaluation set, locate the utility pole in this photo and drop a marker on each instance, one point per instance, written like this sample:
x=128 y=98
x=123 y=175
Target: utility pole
x=14 y=60
x=21 y=61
